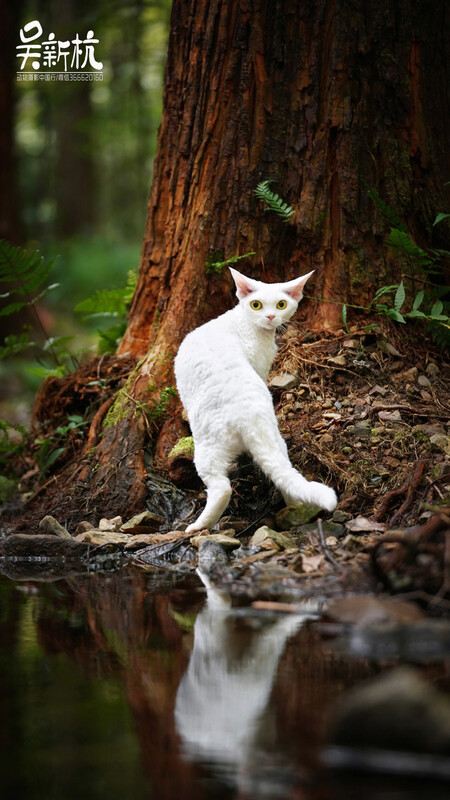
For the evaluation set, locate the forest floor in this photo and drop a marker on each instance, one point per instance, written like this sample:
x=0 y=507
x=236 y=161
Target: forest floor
x=366 y=412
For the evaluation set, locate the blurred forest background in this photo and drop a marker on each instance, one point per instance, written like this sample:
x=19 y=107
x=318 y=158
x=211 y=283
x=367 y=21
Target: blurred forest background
x=82 y=170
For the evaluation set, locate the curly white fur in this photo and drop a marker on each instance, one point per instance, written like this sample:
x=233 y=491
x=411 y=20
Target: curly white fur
x=221 y=371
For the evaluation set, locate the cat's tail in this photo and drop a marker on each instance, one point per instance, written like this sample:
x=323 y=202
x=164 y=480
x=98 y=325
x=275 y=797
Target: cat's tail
x=268 y=449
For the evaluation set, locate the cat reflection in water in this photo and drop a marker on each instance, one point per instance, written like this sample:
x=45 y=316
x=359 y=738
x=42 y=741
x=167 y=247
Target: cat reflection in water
x=224 y=693
x=221 y=371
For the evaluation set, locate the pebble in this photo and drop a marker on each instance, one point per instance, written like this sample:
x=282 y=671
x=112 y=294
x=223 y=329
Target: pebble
x=432 y=370
x=52 y=527
x=423 y=381
x=293 y=516
x=283 y=380
x=113 y=524
x=442 y=442
x=265 y=534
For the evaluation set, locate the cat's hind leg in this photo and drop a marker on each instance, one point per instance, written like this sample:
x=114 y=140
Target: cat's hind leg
x=212 y=465
x=269 y=450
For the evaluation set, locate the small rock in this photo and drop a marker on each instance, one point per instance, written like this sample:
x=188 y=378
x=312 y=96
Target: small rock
x=430 y=429
x=113 y=524
x=390 y=416
x=378 y=390
x=145 y=519
x=84 y=526
x=98 y=537
x=265 y=534
x=363 y=610
x=293 y=516
x=423 y=381
x=340 y=516
x=326 y=439
x=345 y=403
x=441 y=442
x=409 y=375
x=441 y=470
x=283 y=380
x=329 y=529
x=361 y=429
x=340 y=361
x=388 y=348
x=432 y=370
x=352 y=344
x=227 y=542
x=46 y=545
x=52 y=527
x=331 y=541
x=327 y=404
x=397 y=711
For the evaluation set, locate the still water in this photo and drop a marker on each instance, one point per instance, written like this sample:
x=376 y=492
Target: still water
x=139 y=685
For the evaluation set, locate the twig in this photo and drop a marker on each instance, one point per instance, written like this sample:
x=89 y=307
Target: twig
x=411 y=481
x=324 y=547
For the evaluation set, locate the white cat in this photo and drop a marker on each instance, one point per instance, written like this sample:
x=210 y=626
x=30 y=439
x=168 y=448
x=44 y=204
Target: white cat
x=221 y=371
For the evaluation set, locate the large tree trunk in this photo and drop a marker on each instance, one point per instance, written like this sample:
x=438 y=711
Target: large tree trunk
x=318 y=96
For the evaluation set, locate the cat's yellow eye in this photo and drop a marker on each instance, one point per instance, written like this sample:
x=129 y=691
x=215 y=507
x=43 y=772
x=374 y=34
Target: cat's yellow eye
x=256 y=305
x=281 y=304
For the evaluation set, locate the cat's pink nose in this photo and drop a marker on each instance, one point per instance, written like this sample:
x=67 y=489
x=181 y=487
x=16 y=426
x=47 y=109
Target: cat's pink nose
x=270 y=316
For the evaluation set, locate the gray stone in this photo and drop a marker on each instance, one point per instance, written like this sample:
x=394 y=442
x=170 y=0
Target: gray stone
x=432 y=370
x=293 y=516
x=52 y=527
x=265 y=534
x=113 y=524
x=441 y=442
x=84 y=526
x=341 y=516
x=423 y=381
x=339 y=361
x=397 y=711
x=329 y=529
x=283 y=380
x=144 y=519
x=226 y=542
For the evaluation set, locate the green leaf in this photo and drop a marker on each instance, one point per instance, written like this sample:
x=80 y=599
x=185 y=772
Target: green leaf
x=393 y=314
x=439 y=218
x=385 y=209
x=418 y=300
x=274 y=201
x=437 y=308
x=214 y=267
x=344 y=318
x=415 y=313
x=399 y=298
x=400 y=240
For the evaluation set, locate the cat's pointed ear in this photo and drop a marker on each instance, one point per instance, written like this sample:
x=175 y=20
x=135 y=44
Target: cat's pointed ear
x=244 y=286
x=295 y=288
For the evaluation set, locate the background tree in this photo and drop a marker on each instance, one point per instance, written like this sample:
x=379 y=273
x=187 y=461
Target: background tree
x=317 y=96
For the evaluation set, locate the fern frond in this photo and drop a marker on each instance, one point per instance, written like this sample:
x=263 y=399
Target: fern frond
x=214 y=267
x=26 y=270
x=274 y=201
x=385 y=209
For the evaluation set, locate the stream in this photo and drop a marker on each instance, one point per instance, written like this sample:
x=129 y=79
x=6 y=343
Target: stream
x=147 y=684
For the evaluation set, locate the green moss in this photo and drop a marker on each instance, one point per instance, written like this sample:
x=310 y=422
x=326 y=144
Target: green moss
x=7 y=488
x=184 y=447
x=117 y=411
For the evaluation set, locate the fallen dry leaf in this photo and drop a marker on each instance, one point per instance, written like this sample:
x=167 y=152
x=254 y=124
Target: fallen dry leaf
x=312 y=563
x=361 y=524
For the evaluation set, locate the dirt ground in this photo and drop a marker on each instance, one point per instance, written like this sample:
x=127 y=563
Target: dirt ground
x=366 y=411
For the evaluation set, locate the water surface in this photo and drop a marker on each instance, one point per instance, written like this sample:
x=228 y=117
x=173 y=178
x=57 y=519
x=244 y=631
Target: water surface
x=134 y=685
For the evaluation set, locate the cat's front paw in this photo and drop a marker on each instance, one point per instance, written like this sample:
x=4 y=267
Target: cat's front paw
x=322 y=496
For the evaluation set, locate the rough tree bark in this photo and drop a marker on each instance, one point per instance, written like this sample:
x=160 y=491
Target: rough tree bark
x=318 y=96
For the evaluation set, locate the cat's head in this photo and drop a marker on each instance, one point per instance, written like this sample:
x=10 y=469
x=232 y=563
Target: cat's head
x=268 y=305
